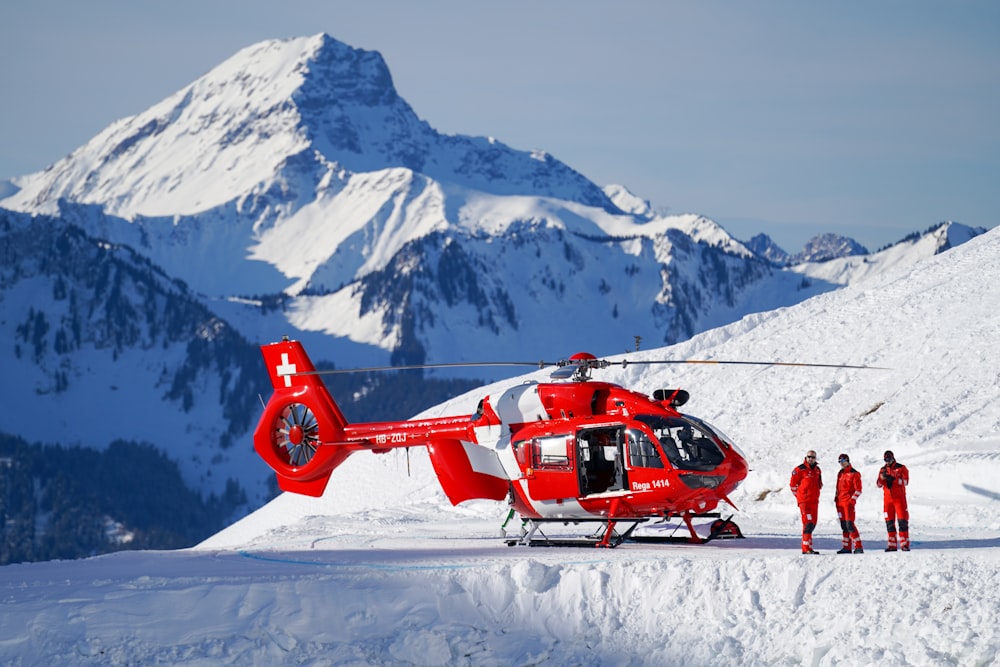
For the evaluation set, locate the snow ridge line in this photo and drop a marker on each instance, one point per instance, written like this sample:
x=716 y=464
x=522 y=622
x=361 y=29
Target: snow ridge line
x=369 y=566
x=442 y=566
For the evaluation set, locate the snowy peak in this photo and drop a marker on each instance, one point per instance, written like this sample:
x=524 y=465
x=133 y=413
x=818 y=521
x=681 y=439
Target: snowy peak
x=351 y=113
x=820 y=248
x=828 y=246
x=764 y=246
x=196 y=149
x=909 y=251
x=628 y=201
x=335 y=71
x=278 y=114
x=952 y=234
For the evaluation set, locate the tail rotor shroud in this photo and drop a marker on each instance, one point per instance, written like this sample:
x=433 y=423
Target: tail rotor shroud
x=296 y=430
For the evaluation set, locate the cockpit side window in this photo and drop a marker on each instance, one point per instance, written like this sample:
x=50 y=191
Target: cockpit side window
x=642 y=453
x=684 y=443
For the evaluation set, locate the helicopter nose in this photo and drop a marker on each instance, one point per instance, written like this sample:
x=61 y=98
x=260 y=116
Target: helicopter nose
x=738 y=470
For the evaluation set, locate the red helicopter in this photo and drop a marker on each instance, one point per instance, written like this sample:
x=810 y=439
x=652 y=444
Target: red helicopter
x=571 y=450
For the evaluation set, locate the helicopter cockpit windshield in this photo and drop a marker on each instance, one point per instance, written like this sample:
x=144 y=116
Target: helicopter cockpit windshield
x=687 y=444
x=726 y=440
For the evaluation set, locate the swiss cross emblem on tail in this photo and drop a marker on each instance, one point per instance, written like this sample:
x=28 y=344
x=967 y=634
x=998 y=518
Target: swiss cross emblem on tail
x=285 y=369
x=287 y=365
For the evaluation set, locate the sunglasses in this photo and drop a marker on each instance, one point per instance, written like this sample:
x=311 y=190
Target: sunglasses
x=811 y=457
x=843 y=460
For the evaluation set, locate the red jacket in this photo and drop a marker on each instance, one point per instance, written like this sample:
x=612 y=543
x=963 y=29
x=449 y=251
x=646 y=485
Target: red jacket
x=848 y=486
x=806 y=482
x=893 y=479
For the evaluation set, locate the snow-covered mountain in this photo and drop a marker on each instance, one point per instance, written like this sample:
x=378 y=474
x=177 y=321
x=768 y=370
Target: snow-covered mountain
x=828 y=246
x=820 y=248
x=293 y=173
x=382 y=570
x=101 y=345
x=854 y=268
x=281 y=154
x=764 y=246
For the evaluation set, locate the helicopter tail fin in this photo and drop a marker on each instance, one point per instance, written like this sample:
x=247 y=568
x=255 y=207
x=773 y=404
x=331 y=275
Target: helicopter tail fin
x=300 y=435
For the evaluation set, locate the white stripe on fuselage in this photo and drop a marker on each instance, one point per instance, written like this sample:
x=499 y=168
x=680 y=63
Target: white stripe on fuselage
x=516 y=405
x=484 y=460
x=520 y=405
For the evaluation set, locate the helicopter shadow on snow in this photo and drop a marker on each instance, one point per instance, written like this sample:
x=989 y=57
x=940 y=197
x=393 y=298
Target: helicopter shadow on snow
x=992 y=495
x=873 y=544
x=989 y=543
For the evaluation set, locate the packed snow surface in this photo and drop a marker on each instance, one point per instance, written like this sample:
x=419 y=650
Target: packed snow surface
x=383 y=571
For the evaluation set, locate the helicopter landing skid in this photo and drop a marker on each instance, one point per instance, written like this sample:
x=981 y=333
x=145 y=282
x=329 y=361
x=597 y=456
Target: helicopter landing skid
x=721 y=529
x=605 y=537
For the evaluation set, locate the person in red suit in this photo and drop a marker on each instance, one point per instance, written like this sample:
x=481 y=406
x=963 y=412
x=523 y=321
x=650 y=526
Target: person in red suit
x=806 y=482
x=893 y=478
x=848 y=490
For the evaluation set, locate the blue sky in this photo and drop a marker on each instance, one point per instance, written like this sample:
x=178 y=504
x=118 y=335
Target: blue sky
x=869 y=119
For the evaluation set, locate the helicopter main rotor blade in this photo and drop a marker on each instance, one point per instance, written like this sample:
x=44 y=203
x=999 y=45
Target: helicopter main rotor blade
x=458 y=364
x=626 y=362
x=581 y=363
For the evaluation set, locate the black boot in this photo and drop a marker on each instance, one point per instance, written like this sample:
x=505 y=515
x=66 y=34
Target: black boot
x=845 y=550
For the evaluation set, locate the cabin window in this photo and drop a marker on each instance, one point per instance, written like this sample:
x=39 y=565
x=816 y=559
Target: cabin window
x=551 y=452
x=522 y=450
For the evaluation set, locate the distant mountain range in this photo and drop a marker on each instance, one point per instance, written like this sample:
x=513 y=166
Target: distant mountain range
x=819 y=249
x=292 y=191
